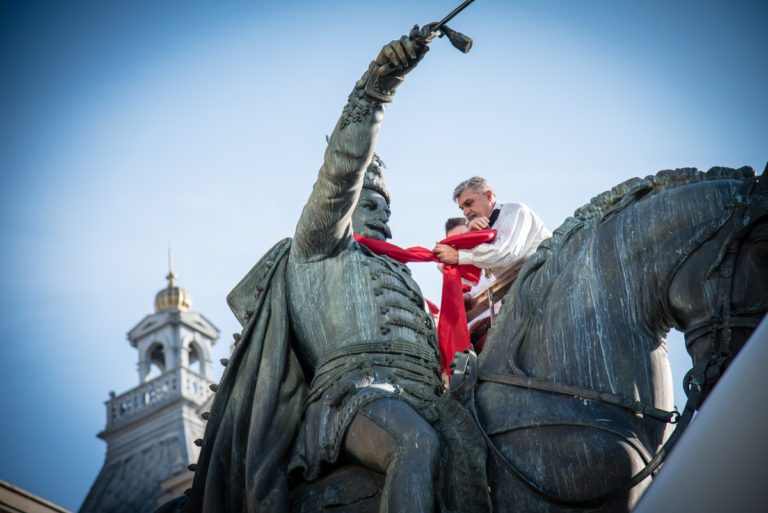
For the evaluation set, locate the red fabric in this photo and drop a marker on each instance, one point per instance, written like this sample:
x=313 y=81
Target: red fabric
x=452 y=332
x=432 y=307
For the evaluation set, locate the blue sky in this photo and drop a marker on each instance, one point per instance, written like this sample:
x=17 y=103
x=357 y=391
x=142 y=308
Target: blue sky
x=131 y=126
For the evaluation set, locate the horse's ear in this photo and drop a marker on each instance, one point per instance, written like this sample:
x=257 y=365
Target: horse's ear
x=762 y=180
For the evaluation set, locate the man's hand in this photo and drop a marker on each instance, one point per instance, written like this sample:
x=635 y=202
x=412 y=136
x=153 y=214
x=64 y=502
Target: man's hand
x=479 y=223
x=447 y=254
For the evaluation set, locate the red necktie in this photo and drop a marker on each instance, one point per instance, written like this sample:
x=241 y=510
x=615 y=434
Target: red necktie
x=452 y=332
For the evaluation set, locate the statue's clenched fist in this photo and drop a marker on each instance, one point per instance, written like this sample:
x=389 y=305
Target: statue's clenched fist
x=395 y=60
x=402 y=55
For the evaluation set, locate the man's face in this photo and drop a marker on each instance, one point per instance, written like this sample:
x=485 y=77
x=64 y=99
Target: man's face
x=371 y=216
x=473 y=204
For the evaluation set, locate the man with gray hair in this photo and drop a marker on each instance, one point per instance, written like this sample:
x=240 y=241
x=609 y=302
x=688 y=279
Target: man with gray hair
x=519 y=229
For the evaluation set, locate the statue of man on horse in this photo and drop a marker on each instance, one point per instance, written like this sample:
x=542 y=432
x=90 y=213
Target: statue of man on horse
x=333 y=396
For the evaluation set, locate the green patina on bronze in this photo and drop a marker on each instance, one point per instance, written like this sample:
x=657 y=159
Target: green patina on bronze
x=334 y=335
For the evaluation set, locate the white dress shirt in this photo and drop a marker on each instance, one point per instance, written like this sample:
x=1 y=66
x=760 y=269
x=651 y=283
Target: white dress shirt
x=520 y=231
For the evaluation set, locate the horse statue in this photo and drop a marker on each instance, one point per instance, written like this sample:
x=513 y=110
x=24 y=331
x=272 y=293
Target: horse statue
x=574 y=387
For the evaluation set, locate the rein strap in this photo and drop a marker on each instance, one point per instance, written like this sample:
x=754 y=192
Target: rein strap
x=583 y=393
x=694 y=399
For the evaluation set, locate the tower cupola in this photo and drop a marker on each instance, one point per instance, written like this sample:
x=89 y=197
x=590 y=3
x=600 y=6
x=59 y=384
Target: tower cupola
x=172 y=296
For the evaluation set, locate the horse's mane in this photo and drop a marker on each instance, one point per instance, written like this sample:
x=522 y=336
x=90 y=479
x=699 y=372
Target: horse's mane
x=539 y=273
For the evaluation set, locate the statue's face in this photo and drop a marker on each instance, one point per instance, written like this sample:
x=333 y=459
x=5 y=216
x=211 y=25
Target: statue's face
x=371 y=216
x=474 y=204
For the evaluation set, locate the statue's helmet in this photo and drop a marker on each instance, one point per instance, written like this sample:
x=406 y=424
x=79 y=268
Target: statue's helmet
x=374 y=178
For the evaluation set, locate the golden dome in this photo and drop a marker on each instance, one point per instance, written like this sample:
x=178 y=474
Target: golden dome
x=172 y=296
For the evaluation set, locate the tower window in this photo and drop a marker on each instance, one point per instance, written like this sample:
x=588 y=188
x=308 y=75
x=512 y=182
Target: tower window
x=195 y=359
x=156 y=357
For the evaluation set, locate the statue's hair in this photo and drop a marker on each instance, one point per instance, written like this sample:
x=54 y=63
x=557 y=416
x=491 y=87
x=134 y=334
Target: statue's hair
x=554 y=253
x=374 y=178
x=476 y=184
x=453 y=222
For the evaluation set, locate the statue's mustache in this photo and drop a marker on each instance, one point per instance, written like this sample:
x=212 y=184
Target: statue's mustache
x=381 y=228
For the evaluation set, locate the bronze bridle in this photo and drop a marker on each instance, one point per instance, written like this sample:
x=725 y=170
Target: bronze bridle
x=748 y=208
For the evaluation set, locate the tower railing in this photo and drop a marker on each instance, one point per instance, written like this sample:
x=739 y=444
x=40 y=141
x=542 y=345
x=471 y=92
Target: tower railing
x=173 y=384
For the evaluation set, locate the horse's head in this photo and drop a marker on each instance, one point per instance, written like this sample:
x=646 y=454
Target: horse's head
x=719 y=293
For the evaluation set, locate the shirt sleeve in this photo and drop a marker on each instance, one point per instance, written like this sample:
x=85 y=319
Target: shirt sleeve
x=519 y=232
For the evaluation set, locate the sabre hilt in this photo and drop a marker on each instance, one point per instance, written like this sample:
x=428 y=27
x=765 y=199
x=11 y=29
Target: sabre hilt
x=458 y=40
x=430 y=31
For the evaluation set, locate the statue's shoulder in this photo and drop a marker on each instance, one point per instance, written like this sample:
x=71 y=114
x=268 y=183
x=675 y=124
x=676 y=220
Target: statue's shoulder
x=246 y=295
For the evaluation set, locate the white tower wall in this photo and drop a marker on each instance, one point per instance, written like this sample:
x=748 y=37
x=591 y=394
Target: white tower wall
x=151 y=429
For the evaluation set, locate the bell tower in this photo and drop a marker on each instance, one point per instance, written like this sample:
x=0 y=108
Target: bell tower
x=173 y=337
x=151 y=429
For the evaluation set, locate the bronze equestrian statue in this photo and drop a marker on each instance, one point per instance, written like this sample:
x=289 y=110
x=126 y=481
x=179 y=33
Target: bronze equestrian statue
x=332 y=399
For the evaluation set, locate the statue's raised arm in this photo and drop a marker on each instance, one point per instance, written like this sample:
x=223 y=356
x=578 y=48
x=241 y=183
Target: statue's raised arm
x=325 y=223
x=360 y=331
